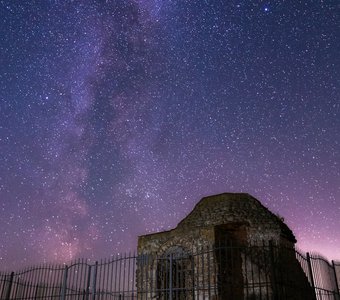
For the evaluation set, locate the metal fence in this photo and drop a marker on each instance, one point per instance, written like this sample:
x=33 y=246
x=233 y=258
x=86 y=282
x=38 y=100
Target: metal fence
x=223 y=272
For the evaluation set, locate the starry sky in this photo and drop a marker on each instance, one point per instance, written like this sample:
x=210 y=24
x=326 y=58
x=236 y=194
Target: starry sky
x=117 y=117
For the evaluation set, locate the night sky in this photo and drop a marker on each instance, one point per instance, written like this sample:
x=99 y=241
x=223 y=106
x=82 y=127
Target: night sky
x=117 y=117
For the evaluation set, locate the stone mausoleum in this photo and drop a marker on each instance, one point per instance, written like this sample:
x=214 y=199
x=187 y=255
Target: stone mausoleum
x=230 y=246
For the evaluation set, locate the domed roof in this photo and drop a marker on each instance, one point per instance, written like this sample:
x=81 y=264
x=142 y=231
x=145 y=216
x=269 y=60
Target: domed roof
x=231 y=208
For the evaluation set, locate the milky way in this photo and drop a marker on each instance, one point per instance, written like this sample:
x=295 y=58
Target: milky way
x=116 y=117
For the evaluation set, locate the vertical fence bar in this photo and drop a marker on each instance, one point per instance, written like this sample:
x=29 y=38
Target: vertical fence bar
x=134 y=263
x=94 y=281
x=170 y=278
x=23 y=286
x=59 y=281
x=82 y=286
x=30 y=282
x=1 y=284
x=141 y=274
x=8 y=294
x=88 y=283
x=51 y=281
x=107 y=276
x=145 y=265
x=44 y=281
x=120 y=274
x=259 y=279
x=193 y=275
x=16 y=287
x=209 y=272
x=35 y=283
x=63 y=291
x=150 y=268
x=202 y=270
x=78 y=278
x=123 y=276
x=246 y=280
x=230 y=263
x=335 y=278
x=265 y=258
x=310 y=271
x=273 y=271
x=111 y=274
x=100 y=281
x=115 y=276
x=252 y=270
x=128 y=278
x=41 y=288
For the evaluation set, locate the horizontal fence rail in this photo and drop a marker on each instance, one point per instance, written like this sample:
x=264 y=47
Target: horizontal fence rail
x=222 y=272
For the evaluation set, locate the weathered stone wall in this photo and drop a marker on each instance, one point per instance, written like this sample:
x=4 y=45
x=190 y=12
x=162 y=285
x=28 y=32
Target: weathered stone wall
x=159 y=243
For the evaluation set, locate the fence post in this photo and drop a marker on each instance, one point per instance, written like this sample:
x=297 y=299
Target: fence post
x=170 y=278
x=273 y=269
x=87 y=290
x=63 y=291
x=310 y=270
x=336 y=278
x=94 y=281
x=193 y=275
x=8 y=294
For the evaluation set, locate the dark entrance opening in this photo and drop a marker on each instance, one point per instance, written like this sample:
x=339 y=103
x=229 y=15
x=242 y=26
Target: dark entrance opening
x=229 y=241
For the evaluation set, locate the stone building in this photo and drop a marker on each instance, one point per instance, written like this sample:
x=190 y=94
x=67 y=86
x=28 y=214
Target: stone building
x=229 y=247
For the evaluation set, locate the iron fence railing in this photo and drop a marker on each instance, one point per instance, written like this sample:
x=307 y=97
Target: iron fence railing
x=222 y=272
